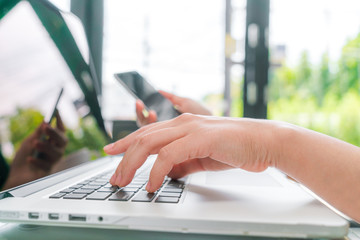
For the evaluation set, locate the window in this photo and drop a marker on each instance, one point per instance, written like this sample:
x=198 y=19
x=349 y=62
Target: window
x=315 y=73
x=176 y=45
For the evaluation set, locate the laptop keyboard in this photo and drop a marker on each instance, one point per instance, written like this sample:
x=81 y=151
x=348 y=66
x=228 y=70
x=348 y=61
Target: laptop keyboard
x=99 y=188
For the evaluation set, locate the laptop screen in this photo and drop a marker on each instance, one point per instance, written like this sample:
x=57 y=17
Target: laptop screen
x=32 y=71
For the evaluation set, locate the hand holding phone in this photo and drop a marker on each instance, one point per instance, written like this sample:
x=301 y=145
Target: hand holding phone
x=138 y=87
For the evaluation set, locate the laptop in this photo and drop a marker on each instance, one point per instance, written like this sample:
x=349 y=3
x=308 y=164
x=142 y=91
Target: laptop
x=232 y=202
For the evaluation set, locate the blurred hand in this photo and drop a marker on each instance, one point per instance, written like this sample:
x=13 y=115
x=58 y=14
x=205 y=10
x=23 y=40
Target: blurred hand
x=192 y=143
x=26 y=166
x=183 y=105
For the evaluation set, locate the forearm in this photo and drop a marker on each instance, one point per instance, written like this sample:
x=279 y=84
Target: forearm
x=327 y=166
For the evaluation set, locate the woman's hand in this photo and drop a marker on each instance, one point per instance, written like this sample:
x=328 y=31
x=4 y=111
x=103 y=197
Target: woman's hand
x=183 y=105
x=192 y=143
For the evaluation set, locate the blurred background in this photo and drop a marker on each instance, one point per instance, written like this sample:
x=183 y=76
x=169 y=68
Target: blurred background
x=297 y=61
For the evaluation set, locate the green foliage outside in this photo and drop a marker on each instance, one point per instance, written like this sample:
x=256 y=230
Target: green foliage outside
x=86 y=135
x=22 y=124
x=323 y=97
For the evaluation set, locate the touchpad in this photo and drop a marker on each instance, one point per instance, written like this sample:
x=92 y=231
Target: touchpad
x=240 y=177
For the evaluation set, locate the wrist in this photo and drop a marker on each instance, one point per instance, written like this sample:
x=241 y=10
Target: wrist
x=265 y=141
x=285 y=137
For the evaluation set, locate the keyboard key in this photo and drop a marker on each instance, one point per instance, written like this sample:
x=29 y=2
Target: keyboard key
x=83 y=191
x=74 y=196
x=108 y=189
x=98 y=196
x=144 y=197
x=121 y=196
x=108 y=185
x=67 y=190
x=94 y=183
x=170 y=194
x=57 y=195
x=99 y=182
x=167 y=200
x=171 y=189
x=76 y=186
x=129 y=189
x=176 y=184
x=94 y=187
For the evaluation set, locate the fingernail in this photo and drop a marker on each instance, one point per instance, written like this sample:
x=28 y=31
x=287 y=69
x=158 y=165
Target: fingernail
x=148 y=186
x=108 y=147
x=112 y=179
x=118 y=179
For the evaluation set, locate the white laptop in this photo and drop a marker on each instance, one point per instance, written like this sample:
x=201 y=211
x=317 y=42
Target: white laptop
x=232 y=202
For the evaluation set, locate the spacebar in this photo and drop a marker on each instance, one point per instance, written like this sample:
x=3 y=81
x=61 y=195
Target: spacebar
x=143 y=196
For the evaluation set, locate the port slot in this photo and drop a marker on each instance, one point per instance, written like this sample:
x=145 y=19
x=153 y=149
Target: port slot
x=53 y=216
x=77 y=217
x=33 y=215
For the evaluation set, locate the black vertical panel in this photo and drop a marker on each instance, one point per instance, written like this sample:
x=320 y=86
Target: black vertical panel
x=256 y=58
x=91 y=13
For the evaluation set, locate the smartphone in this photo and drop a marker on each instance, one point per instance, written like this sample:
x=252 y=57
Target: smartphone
x=48 y=118
x=138 y=87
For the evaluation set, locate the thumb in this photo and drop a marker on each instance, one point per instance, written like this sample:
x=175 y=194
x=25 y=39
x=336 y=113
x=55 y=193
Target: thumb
x=174 y=99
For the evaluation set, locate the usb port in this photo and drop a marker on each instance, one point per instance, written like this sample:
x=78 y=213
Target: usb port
x=53 y=216
x=77 y=217
x=33 y=215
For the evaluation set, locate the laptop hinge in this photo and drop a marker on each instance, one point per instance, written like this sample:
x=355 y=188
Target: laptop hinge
x=5 y=195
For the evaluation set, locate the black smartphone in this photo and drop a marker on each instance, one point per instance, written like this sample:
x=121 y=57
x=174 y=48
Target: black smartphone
x=143 y=90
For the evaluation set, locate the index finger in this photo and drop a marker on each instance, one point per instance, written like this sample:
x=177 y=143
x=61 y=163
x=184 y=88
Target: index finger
x=123 y=144
x=176 y=152
x=145 y=145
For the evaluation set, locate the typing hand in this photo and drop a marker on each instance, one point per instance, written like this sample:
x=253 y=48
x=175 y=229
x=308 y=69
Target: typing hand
x=192 y=143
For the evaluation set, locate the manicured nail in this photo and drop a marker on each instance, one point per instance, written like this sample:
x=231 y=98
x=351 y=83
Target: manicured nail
x=109 y=147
